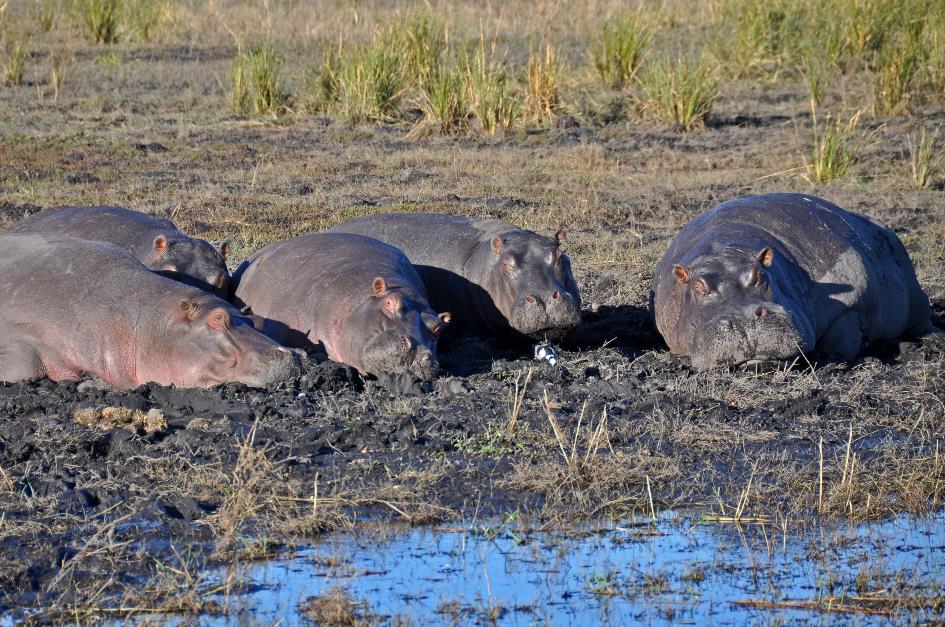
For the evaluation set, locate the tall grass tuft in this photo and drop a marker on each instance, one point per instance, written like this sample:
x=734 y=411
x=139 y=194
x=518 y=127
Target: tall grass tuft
x=927 y=152
x=443 y=97
x=15 y=62
x=489 y=92
x=59 y=62
x=542 y=76
x=680 y=91
x=834 y=149
x=619 y=49
x=363 y=83
x=755 y=38
x=146 y=17
x=897 y=66
x=101 y=19
x=256 y=84
x=48 y=14
x=422 y=41
x=816 y=71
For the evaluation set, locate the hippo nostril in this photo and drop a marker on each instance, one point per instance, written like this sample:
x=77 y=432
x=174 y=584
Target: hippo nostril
x=407 y=343
x=761 y=312
x=557 y=294
x=530 y=298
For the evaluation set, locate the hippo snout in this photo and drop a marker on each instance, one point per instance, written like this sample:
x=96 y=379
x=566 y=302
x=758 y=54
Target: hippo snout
x=425 y=365
x=549 y=314
x=270 y=365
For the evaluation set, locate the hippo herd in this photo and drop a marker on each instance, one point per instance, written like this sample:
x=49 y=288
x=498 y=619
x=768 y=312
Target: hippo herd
x=128 y=298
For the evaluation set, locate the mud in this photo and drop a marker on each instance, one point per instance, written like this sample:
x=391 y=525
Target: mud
x=63 y=482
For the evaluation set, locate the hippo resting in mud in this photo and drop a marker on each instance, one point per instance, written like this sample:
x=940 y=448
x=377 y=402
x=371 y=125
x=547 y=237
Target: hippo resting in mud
x=359 y=297
x=155 y=242
x=71 y=308
x=494 y=277
x=765 y=278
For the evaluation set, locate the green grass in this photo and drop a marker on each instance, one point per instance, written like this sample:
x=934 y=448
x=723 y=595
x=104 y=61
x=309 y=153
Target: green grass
x=680 y=91
x=15 y=61
x=443 y=98
x=897 y=67
x=47 y=14
x=146 y=17
x=100 y=18
x=835 y=149
x=490 y=92
x=542 y=78
x=360 y=84
x=256 y=86
x=421 y=41
x=619 y=49
x=754 y=38
x=927 y=156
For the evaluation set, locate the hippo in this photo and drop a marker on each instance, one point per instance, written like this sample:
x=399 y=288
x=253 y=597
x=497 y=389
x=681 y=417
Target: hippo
x=155 y=242
x=497 y=278
x=359 y=297
x=769 y=278
x=71 y=308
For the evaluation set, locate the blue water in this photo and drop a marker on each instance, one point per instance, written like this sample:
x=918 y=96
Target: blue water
x=675 y=570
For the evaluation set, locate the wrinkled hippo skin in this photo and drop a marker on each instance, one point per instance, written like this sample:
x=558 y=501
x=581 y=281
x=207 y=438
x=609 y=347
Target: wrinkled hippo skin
x=71 y=308
x=494 y=277
x=155 y=242
x=766 y=278
x=359 y=297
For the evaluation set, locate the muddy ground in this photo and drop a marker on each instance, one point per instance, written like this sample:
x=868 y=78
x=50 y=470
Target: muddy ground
x=93 y=519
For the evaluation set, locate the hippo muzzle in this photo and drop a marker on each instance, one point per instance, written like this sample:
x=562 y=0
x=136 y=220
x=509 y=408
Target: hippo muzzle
x=403 y=356
x=264 y=367
x=759 y=335
x=551 y=314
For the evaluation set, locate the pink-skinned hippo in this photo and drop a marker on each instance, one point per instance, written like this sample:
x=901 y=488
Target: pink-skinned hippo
x=764 y=279
x=71 y=308
x=495 y=277
x=155 y=242
x=359 y=297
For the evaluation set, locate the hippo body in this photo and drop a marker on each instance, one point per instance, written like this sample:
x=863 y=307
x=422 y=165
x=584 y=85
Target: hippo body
x=496 y=278
x=359 y=297
x=155 y=242
x=766 y=278
x=71 y=308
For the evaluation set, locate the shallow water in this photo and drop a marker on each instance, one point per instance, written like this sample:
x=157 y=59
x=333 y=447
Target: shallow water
x=675 y=570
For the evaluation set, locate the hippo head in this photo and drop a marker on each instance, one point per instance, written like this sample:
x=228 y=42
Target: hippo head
x=192 y=261
x=531 y=284
x=208 y=342
x=393 y=332
x=732 y=311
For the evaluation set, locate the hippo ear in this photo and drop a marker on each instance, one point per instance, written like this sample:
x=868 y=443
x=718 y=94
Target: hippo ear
x=218 y=319
x=392 y=305
x=682 y=273
x=766 y=257
x=224 y=249
x=160 y=244
x=445 y=317
x=188 y=309
x=497 y=243
x=561 y=236
x=379 y=286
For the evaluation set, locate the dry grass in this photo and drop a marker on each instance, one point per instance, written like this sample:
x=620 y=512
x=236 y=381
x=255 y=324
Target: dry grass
x=337 y=608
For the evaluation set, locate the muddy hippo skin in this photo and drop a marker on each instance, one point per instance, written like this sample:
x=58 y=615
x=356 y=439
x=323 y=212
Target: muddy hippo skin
x=155 y=242
x=71 y=308
x=357 y=296
x=494 y=277
x=762 y=278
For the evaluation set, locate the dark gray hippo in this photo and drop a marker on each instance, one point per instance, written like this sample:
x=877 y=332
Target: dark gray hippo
x=357 y=296
x=155 y=242
x=495 y=277
x=71 y=308
x=765 y=278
